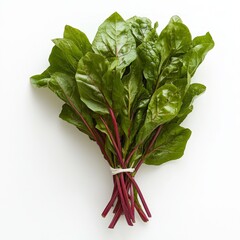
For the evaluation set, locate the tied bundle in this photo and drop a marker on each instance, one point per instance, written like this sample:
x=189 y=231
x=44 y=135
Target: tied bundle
x=129 y=91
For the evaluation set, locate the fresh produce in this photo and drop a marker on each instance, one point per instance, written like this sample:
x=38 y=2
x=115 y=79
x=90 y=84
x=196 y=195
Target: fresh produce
x=129 y=91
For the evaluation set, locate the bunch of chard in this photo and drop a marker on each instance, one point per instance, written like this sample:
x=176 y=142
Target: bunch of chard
x=129 y=91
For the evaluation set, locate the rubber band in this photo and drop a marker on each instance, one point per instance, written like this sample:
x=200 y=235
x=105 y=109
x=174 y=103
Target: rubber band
x=121 y=170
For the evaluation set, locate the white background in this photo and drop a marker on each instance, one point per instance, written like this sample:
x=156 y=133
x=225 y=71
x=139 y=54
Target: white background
x=54 y=182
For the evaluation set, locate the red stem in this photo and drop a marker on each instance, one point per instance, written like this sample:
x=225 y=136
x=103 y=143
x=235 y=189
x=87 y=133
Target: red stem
x=115 y=218
x=132 y=202
x=131 y=154
x=149 y=148
x=111 y=202
x=154 y=138
x=125 y=194
x=113 y=141
x=125 y=210
x=141 y=213
x=115 y=126
x=140 y=194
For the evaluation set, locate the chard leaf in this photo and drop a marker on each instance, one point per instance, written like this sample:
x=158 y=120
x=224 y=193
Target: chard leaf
x=54 y=87
x=174 y=39
x=138 y=122
x=79 y=38
x=139 y=111
x=64 y=55
x=116 y=90
x=195 y=56
x=89 y=77
x=172 y=70
x=99 y=86
x=58 y=62
x=66 y=88
x=69 y=88
x=100 y=125
x=163 y=107
x=40 y=80
x=150 y=57
x=132 y=85
x=193 y=91
x=141 y=27
x=69 y=115
x=115 y=41
x=69 y=50
x=170 y=145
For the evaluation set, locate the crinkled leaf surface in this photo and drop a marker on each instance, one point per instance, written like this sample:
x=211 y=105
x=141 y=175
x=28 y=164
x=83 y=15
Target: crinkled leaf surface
x=174 y=39
x=163 y=107
x=150 y=57
x=141 y=27
x=115 y=41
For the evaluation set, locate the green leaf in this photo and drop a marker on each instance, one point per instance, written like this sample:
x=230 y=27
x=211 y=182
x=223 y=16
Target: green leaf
x=70 y=116
x=170 y=145
x=171 y=71
x=100 y=87
x=139 y=111
x=79 y=38
x=201 y=46
x=69 y=50
x=40 y=80
x=58 y=62
x=132 y=85
x=64 y=55
x=100 y=125
x=115 y=92
x=163 y=107
x=150 y=57
x=115 y=41
x=89 y=77
x=137 y=122
x=193 y=91
x=161 y=59
x=69 y=88
x=174 y=39
x=66 y=88
x=54 y=87
x=152 y=35
x=141 y=27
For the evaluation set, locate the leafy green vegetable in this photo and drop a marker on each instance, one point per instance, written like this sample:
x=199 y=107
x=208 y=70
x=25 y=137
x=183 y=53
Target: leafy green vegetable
x=163 y=107
x=169 y=145
x=115 y=41
x=129 y=91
